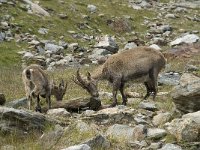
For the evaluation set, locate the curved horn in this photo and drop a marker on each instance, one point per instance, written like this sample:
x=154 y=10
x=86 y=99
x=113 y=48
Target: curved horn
x=79 y=78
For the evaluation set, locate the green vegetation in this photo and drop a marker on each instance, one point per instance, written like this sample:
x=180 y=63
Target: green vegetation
x=80 y=21
x=8 y=54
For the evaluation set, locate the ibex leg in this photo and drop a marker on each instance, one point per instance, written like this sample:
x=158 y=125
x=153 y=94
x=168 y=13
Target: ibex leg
x=116 y=86
x=124 y=98
x=148 y=88
x=38 y=107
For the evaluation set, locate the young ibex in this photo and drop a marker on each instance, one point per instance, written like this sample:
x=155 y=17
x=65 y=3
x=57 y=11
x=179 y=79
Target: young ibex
x=141 y=64
x=37 y=84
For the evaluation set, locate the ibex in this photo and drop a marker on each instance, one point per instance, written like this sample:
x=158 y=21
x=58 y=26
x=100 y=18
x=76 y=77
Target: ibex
x=141 y=64
x=37 y=84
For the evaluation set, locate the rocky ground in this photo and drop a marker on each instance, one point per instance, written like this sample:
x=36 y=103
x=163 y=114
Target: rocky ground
x=64 y=35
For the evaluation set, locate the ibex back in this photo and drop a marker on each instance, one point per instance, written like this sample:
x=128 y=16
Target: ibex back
x=141 y=64
x=37 y=84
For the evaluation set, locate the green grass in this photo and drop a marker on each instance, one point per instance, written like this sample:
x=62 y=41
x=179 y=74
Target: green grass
x=21 y=142
x=8 y=54
x=22 y=22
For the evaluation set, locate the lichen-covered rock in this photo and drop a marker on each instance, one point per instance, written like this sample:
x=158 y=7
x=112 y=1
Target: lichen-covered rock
x=21 y=121
x=119 y=114
x=171 y=147
x=119 y=131
x=161 y=118
x=59 y=112
x=186 y=95
x=184 y=129
x=98 y=141
x=156 y=133
x=52 y=137
x=194 y=116
x=78 y=147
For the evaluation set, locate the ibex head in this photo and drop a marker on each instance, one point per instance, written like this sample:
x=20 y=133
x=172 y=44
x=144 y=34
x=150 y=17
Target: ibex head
x=58 y=91
x=88 y=83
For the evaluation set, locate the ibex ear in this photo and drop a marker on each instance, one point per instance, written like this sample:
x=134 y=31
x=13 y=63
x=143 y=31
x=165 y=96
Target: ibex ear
x=88 y=76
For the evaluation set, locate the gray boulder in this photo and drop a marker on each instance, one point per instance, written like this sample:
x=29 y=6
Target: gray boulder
x=120 y=131
x=18 y=103
x=161 y=118
x=125 y=132
x=169 y=78
x=189 y=38
x=156 y=133
x=78 y=147
x=43 y=30
x=148 y=106
x=130 y=45
x=194 y=116
x=184 y=129
x=52 y=137
x=119 y=114
x=98 y=54
x=186 y=95
x=98 y=141
x=59 y=112
x=171 y=147
x=21 y=121
x=52 y=48
x=107 y=42
x=2 y=36
x=91 y=8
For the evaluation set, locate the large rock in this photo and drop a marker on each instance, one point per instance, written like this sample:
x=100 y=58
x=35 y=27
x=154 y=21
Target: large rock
x=107 y=42
x=59 y=112
x=171 y=147
x=98 y=141
x=186 y=95
x=21 y=121
x=23 y=102
x=148 y=106
x=36 y=9
x=184 y=129
x=92 y=8
x=120 y=131
x=156 y=133
x=169 y=78
x=98 y=54
x=190 y=38
x=78 y=147
x=125 y=132
x=119 y=114
x=52 y=137
x=161 y=118
x=194 y=116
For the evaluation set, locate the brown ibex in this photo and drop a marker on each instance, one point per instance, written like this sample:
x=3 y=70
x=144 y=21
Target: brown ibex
x=141 y=64
x=37 y=84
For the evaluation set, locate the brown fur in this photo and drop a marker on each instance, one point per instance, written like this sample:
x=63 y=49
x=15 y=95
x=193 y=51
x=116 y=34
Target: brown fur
x=37 y=84
x=140 y=64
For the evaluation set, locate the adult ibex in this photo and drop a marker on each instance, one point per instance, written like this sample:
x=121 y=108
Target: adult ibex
x=37 y=84
x=141 y=64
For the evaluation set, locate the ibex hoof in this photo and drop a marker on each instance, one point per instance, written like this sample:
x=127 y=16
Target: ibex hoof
x=124 y=103
x=38 y=109
x=113 y=105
